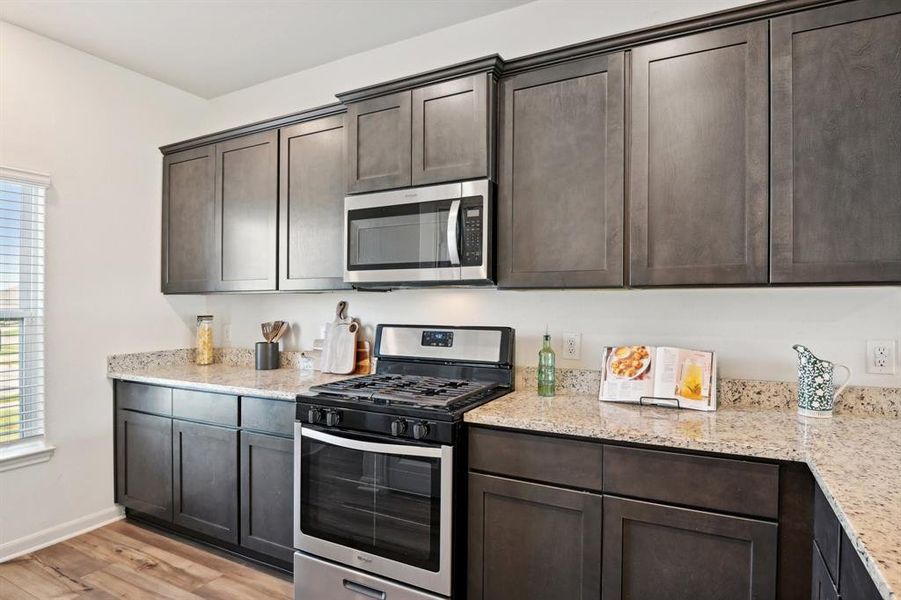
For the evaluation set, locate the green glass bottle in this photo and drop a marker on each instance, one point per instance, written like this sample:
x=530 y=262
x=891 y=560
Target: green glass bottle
x=547 y=376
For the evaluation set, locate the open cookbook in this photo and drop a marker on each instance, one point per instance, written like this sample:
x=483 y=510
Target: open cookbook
x=659 y=375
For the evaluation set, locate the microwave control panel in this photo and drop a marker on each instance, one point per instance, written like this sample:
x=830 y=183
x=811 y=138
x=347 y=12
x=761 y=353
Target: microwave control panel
x=473 y=219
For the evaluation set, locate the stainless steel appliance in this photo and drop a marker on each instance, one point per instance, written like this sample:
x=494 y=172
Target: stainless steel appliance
x=377 y=482
x=440 y=234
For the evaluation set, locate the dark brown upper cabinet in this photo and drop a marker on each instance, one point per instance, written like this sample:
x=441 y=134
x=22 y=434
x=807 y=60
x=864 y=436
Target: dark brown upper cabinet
x=246 y=213
x=430 y=128
x=451 y=129
x=698 y=183
x=311 y=198
x=188 y=215
x=378 y=143
x=560 y=188
x=836 y=148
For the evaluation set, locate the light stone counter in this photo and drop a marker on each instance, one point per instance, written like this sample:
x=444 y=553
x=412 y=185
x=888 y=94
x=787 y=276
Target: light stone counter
x=855 y=459
x=232 y=373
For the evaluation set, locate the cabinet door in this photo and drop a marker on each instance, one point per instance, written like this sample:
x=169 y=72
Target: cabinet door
x=379 y=143
x=189 y=182
x=311 y=200
x=451 y=130
x=246 y=212
x=836 y=150
x=144 y=463
x=267 y=500
x=698 y=182
x=653 y=551
x=854 y=582
x=205 y=473
x=532 y=542
x=821 y=585
x=560 y=190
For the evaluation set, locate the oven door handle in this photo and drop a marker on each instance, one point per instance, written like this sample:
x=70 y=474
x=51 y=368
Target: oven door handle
x=453 y=219
x=343 y=442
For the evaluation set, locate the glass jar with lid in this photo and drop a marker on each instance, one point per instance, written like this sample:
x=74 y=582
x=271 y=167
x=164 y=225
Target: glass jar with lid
x=203 y=354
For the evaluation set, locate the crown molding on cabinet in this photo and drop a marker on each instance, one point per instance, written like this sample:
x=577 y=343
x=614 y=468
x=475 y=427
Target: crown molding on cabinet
x=264 y=125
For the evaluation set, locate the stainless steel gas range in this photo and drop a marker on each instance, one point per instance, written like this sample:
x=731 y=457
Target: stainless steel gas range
x=379 y=478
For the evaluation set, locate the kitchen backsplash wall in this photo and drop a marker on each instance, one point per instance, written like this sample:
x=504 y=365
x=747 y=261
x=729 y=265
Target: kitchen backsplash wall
x=751 y=329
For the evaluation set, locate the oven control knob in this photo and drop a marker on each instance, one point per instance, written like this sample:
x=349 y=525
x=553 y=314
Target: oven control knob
x=420 y=430
x=332 y=418
x=314 y=415
x=398 y=427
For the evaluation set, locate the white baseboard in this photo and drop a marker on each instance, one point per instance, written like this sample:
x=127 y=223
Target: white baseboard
x=59 y=533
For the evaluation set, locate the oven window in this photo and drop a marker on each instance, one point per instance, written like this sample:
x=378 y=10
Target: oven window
x=381 y=504
x=404 y=236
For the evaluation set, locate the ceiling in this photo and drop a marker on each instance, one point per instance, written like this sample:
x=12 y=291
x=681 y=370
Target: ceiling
x=212 y=47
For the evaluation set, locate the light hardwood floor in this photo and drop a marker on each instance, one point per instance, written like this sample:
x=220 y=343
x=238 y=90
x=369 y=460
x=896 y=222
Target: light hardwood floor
x=124 y=560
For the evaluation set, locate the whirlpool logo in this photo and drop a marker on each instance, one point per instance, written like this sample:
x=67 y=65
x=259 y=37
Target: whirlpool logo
x=363 y=558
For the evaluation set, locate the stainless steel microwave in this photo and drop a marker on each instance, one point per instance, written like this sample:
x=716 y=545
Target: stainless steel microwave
x=440 y=234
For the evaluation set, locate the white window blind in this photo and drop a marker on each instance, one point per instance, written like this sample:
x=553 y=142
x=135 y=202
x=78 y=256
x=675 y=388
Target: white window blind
x=21 y=305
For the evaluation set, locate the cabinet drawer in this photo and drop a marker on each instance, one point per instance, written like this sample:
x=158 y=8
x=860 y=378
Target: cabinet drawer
x=145 y=398
x=272 y=416
x=705 y=482
x=221 y=409
x=541 y=458
x=826 y=532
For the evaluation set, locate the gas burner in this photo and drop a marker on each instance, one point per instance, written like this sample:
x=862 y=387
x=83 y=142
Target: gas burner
x=415 y=390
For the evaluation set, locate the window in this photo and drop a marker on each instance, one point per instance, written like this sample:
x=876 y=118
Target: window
x=21 y=306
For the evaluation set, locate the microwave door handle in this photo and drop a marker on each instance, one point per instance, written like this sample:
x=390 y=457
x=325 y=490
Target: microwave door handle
x=453 y=219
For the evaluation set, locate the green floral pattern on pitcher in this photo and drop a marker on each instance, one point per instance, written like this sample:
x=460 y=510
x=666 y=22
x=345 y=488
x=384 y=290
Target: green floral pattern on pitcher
x=816 y=383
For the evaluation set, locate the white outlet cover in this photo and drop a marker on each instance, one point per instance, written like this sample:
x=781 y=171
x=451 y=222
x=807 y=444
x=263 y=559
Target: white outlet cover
x=875 y=350
x=572 y=346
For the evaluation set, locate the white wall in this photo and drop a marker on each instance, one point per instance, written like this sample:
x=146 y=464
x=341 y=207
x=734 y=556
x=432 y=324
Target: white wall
x=95 y=129
x=753 y=330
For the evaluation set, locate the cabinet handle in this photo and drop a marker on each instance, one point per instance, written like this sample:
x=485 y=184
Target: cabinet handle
x=362 y=590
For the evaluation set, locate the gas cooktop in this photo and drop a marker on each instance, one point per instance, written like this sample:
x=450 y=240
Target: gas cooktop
x=426 y=378
x=415 y=390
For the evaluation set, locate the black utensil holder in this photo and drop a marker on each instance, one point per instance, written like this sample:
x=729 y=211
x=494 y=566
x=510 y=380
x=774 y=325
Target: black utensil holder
x=267 y=356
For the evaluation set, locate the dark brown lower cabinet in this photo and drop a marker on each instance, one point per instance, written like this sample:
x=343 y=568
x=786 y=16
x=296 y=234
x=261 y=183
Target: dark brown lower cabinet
x=652 y=551
x=822 y=587
x=267 y=486
x=532 y=542
x=205 y=478
x=854 y=582
x=144 y=463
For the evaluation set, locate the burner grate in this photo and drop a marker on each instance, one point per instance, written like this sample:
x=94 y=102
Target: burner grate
x=407 y=389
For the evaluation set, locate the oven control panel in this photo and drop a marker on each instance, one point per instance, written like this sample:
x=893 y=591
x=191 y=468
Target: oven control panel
x=402 y=427
x=442 y=339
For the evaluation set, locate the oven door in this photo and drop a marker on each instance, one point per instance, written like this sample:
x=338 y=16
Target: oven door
x=413 y=236
x=380 y=506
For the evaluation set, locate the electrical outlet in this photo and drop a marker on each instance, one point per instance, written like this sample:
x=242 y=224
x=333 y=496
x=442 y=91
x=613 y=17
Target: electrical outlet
x=227 y=335
x=572 y=346
x=881 y=357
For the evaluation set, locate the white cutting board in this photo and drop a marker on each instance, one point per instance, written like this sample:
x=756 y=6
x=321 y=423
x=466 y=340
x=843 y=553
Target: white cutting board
x=339 y=352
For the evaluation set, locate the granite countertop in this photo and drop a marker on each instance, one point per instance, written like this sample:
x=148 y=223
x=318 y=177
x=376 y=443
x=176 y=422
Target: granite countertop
x=238 y=380
x=855 y=459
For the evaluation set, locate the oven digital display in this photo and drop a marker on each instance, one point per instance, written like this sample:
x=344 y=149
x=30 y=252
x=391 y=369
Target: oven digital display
x=472 y=212
x=444 y=339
